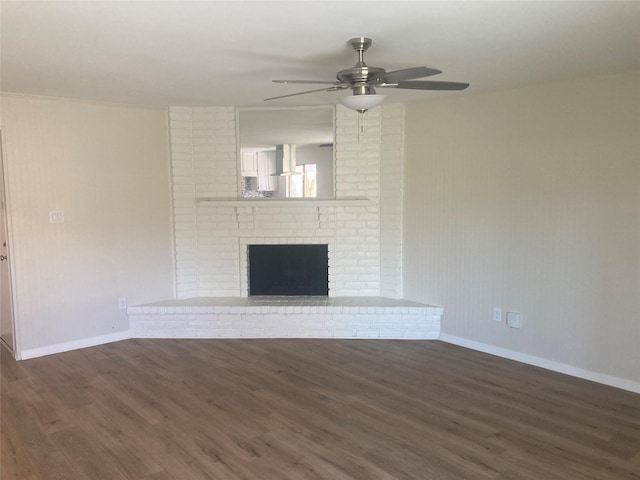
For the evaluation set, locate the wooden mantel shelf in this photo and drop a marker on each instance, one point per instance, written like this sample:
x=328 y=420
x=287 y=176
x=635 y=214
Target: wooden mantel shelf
x=277 y=202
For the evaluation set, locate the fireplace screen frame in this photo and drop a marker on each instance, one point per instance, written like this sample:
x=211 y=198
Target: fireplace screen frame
x=288 y=270
x=244 y=243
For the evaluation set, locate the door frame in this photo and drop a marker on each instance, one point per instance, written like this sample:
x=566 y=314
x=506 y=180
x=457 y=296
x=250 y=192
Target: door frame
x=8 y=234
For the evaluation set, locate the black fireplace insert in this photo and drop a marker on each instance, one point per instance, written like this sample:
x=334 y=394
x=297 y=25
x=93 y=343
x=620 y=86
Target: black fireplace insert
x=288 y=270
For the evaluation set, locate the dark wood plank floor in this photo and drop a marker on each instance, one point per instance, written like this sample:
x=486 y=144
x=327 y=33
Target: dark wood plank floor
x=308 y=409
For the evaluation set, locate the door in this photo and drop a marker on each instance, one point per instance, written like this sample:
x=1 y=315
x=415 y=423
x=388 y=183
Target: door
x=6 y=307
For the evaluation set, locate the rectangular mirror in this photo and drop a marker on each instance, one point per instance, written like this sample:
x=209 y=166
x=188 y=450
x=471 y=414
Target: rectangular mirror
x=286 y=153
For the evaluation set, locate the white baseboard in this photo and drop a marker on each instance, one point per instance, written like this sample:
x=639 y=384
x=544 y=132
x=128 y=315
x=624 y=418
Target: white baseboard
x=463 y=342
x=74 y=345
x=543 y=363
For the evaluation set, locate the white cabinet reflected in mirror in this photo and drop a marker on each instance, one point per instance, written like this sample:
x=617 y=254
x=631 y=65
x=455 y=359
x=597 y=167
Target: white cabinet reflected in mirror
x=286 y=152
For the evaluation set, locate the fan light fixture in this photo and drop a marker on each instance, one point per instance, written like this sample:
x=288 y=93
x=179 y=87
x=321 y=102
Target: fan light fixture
x=362 y=103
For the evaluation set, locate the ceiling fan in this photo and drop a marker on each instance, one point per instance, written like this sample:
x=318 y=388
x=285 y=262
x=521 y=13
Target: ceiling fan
x=363 y=79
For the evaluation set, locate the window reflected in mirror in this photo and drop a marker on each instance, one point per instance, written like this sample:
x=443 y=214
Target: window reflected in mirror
x=286 y=153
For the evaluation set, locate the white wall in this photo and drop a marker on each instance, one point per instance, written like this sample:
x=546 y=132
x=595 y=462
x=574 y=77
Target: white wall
x=529 y=200
x=107 y=168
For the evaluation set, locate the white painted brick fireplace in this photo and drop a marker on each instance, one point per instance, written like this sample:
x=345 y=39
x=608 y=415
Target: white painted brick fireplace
x=211 y=235
x=362 y=227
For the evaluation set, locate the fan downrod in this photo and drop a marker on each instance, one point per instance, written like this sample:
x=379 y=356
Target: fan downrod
x=361 y=77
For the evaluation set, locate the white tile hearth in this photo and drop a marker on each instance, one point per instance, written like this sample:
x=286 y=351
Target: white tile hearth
x=281 y=317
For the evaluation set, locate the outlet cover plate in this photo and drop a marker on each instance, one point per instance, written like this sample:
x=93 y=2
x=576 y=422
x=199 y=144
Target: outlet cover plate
x=514 y=319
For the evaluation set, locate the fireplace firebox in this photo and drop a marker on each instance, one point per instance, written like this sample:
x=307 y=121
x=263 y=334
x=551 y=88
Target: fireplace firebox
x=288 y=270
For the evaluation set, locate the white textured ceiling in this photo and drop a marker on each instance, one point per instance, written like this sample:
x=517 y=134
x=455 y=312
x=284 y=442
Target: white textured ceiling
x=226 y=53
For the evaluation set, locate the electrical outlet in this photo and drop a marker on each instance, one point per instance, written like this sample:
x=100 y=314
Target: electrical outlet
x=514 y=320
x=122 y=303
x=497 y=314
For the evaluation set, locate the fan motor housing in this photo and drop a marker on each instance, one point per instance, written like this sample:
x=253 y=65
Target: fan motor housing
x=358 y=75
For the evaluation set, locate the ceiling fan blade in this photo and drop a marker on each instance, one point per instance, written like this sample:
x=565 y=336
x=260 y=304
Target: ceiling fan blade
x=330 y=89
x=330 y=82
x=428 y=85
x=410 y=74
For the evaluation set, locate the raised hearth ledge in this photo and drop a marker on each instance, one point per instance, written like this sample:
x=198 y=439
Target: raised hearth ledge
x=280 y=202
x=286 y=317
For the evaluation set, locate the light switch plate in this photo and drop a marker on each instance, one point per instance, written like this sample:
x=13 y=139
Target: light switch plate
x=56 y=216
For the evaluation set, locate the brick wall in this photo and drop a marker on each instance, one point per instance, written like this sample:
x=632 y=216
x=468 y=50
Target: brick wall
x=391 y=191
x=211 y=238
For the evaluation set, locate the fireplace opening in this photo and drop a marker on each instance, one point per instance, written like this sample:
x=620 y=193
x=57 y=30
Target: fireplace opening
x=288 y=270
